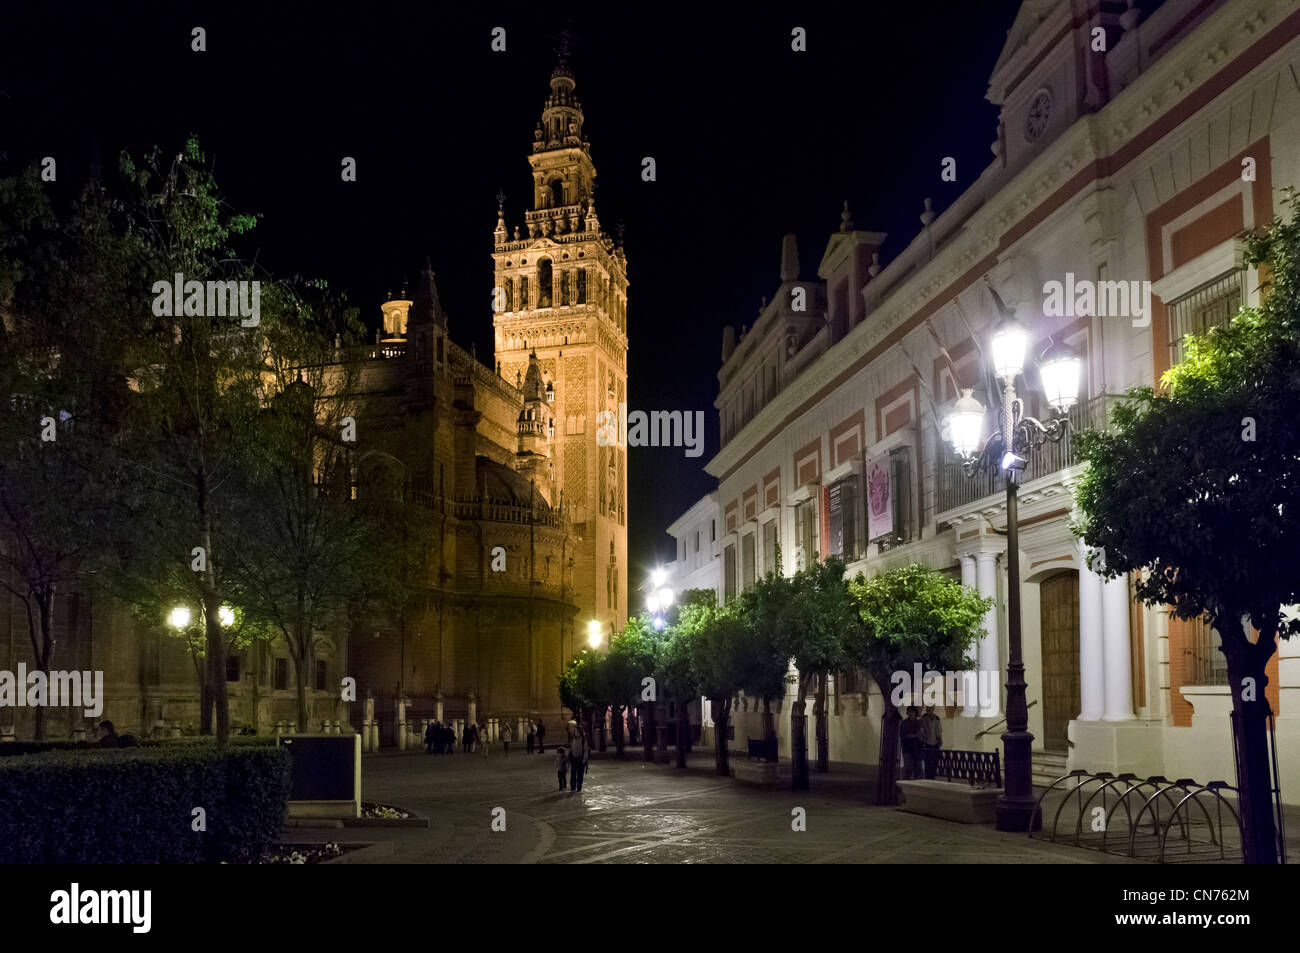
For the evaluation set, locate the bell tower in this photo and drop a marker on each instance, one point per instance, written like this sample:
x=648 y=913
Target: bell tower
x=560 y=302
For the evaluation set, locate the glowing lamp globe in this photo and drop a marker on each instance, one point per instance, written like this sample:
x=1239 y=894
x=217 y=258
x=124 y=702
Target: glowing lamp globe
x=226 y=615
x=179 y=617
x=1009 y=343
x=966 y=424
x=1060 y=373
x=593 y=633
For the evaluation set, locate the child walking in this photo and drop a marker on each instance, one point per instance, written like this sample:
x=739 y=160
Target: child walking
x=562 y=763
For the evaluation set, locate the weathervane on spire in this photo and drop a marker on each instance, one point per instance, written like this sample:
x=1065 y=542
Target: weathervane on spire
x=566 y=41
x=501 y=199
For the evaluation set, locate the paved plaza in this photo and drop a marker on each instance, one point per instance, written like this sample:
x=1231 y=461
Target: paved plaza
x=633 y=812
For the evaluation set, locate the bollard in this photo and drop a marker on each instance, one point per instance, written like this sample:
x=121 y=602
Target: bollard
x=400 y=731
x=7 y=733
x=437 y=709
x=374 y=736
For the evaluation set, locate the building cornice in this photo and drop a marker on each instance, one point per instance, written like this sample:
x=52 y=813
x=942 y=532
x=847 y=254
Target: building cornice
x=1223 y=48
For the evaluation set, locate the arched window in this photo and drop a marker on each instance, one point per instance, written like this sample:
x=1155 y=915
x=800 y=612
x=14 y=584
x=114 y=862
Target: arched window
x=523 y=293
x=509 y=288
x=582 y=286
x=557 y=193
x=564 y=287
x=544 y=283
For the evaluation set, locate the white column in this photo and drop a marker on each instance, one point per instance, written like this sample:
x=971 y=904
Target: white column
x=970 y=705
x=1092 y=686
x=1118 y=663
x=989 y=655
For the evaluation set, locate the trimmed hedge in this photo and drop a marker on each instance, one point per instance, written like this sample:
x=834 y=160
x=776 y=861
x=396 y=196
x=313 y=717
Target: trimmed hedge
x=134 y=805
x=13 y=749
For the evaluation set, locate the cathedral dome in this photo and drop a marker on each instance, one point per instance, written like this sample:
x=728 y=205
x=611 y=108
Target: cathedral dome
x=502 y=484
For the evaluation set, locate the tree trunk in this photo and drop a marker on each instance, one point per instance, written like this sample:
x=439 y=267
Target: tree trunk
x=647 y=720
x=301 y=660
x=823 y=736
x=799 y=742
x=618 y=728
x=1250 y=708
x=216 y=649
x=887 y=767
x=44 y=657
x=769 y=725
x=683 y=733
x=721 y=716
x=600 y=728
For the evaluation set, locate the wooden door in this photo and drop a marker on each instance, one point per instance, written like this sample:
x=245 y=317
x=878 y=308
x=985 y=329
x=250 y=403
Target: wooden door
x=1059 y=608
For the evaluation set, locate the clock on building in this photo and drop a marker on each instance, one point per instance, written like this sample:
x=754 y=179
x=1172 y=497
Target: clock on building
x=1040 y=110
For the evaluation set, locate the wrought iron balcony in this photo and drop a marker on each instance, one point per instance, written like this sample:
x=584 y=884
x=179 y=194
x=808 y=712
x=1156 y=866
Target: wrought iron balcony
x=956 y=489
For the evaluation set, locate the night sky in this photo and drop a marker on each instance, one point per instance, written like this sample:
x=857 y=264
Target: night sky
x=751 y=141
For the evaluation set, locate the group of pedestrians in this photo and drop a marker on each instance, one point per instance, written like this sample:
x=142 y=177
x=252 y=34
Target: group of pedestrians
x=920 y=738
x=441 y=739
x=574 y=756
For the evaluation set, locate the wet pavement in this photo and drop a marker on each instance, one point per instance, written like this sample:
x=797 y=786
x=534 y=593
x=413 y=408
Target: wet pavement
x=630 y=811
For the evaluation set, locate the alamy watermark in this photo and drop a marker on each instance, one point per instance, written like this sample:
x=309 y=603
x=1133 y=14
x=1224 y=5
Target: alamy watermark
x=659 y=428
x=58 y=689
x=241 y=299
x=928 y=688
x=1100 y=299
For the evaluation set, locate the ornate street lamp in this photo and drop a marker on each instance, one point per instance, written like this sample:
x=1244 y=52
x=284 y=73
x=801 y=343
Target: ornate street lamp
x=593 y=634
x=1008 y=449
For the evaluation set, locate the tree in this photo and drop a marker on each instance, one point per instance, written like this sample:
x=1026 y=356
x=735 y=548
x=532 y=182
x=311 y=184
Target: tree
x=58 y=399
x=311 y=546
x=763 y=665
x=907 y=616
x=815 y=611
x=677 y=677
x=1194 y=491
x=188 y=429
x=720 y=658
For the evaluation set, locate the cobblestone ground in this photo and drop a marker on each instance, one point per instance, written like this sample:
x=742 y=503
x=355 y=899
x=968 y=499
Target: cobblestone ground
x=633 y=812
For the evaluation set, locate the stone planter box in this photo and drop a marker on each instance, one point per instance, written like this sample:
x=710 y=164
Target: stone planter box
x=952 y=801
x=761 y=773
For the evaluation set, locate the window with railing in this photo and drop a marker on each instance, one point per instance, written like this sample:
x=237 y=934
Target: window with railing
x=844 y=514
x=805 y=528
x=1207 y=664
x=729 y=573
x=1212 y=305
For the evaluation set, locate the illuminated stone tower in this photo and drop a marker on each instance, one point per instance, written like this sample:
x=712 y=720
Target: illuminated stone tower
x=561 y=291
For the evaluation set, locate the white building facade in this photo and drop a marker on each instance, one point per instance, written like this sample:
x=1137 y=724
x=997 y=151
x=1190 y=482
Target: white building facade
x=1142 y=163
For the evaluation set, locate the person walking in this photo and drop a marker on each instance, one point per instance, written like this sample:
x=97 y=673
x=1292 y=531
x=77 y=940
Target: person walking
x=466 y=738
x=430 y=737
x=931 y=741
x=577 y=756
x=507 y=736
x=532 y=737
x=909 y=739
x=484 y=737
x=561 y=763
x=541 y=736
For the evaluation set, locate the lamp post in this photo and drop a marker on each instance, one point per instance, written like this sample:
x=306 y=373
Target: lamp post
x=1008 y=450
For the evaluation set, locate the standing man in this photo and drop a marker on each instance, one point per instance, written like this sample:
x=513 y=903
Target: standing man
x=577 y=756
x=541 y=736
x=507 y=736
x=931 y=741
x=909 y=739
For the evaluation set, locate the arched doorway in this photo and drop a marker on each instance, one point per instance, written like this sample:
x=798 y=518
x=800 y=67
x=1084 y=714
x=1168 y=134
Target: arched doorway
x=1059 y=627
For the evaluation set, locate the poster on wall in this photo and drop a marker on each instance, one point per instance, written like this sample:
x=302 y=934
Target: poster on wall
x=880 y=496
x=835 y=519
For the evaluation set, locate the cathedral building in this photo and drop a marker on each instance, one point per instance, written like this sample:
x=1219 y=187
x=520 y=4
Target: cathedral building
x=527 y=517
